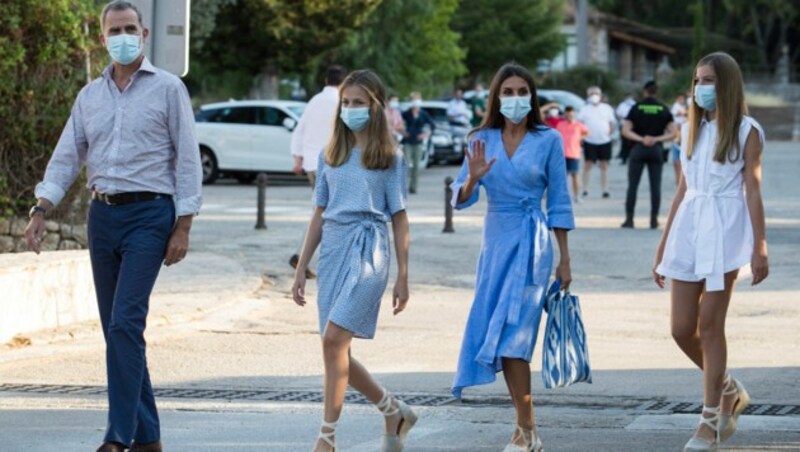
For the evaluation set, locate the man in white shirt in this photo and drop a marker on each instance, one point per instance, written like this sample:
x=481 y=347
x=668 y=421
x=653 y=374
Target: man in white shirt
x=313 y=132
x=132 y=128
x=457 y=109
x=600 y=120
x=316 y=125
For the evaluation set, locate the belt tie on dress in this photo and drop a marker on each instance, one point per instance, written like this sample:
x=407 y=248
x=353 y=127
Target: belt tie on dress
x=365 y=236
x=708 y=239
x=536 y=239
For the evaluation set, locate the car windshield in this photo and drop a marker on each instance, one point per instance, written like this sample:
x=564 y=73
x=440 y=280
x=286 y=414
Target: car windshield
x=297 y=109
x=438 y=114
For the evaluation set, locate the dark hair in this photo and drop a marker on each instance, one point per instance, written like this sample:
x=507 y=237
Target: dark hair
x=120 y=5
x=651 y=88
x=335 y=75
x=493 y=118
x=569 y=108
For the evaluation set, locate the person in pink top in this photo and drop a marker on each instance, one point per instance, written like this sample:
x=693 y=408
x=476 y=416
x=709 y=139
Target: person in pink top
x=572 y=132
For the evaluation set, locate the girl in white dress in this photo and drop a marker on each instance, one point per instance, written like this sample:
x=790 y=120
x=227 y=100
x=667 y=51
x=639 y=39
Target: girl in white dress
x=715 y=226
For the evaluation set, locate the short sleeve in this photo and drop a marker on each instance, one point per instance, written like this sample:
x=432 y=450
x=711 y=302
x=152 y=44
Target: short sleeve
x=396 y=185
x=633 y=113
x=559 y=204
x=462 y=178
x=744 y=132
x=321 y=187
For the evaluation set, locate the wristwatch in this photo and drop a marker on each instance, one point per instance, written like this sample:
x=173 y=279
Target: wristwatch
x=37 y=209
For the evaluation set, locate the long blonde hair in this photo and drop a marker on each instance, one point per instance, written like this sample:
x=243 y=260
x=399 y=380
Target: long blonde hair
x=731 y=107
x=380 y=149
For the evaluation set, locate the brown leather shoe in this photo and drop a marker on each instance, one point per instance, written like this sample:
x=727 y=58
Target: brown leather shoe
x=146 y=447
x=111 y=447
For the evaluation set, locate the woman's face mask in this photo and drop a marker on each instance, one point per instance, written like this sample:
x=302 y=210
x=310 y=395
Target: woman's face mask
x=515 y=108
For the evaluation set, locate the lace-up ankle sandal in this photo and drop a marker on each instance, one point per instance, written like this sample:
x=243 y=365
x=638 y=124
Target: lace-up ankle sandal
x=728 y=422
x=533 y=443
x=696 y=444
x=394 y=442
x=327 y=437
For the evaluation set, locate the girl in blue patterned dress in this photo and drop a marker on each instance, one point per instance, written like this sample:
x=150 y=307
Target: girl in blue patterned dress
x=360 y=187
x=525 y=160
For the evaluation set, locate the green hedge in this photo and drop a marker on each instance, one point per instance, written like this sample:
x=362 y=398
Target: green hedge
x=42 y=68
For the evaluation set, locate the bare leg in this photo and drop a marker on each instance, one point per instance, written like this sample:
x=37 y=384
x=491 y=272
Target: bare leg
x=335 y=349
x=362 y=381
x=587 y=169
x=713 y=310
x=685 y=307
x=604 y=175
x=575 y=187
x=676 y=165
x=517 y=373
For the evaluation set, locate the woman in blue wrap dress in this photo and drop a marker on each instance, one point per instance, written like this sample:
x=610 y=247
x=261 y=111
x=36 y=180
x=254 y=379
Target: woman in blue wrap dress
x=360 y=187
x=518 y=161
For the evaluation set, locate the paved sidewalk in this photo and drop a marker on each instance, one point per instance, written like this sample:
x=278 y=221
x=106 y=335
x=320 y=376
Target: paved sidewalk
x=226 y=344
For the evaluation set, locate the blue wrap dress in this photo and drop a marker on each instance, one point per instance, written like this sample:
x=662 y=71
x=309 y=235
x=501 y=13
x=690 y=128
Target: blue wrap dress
x=354 y=250
x=516 y=256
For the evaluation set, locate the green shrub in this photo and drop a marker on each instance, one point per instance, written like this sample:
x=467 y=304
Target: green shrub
x=578 y=78
x=42 y=68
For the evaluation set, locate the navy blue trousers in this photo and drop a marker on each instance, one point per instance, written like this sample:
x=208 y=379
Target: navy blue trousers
x=127 y=245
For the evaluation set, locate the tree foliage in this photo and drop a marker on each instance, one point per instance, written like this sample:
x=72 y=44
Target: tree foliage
x=251 y=37
x=495 y=32
x=766 y=25
x=409 y=43
x=42 y=68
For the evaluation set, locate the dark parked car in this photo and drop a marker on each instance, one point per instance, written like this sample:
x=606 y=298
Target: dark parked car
x=448 y=142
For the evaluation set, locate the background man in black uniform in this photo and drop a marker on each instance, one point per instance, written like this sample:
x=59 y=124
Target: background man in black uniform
x=648 y=125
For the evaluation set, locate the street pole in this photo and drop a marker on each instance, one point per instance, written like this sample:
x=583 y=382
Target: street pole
x=582 y=24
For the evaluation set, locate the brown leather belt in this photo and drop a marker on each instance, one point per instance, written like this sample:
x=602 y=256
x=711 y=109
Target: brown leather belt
x=127 y=198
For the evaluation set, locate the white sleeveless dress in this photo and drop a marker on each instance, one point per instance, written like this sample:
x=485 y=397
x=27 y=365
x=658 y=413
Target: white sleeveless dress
x=711 y=233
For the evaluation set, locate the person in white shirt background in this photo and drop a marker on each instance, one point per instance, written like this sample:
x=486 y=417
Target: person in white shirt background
x=623 y=108
x=716 y=226
x=457 y=109
x=680 y=112
x=395 y=117
x=600 y=120
x=312 y=134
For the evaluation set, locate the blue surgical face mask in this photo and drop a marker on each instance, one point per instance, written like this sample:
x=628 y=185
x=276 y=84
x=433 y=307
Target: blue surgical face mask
x=124 y=48
x=706 y=97
x=515 y=108
x=355 y=118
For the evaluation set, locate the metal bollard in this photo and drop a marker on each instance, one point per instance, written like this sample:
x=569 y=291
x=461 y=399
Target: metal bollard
x=261 y=182
x=448 y=208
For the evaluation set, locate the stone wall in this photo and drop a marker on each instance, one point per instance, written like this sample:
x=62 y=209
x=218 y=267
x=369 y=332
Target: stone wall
x=59 y=236
x=48 y=290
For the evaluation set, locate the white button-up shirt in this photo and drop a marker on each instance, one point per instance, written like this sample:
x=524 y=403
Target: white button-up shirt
x=600 y=120
x=711 y=233
x=315 y=127
x=140 y=139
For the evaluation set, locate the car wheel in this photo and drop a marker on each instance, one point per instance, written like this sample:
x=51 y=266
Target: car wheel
x=246 y=178
x=209 y=164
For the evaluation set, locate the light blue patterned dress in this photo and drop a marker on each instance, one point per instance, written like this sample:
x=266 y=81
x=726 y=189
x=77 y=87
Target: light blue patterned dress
x=516 y=257
x=354 y=251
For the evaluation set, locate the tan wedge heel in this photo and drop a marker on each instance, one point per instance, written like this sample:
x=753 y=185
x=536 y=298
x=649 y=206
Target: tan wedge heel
x=395 y=442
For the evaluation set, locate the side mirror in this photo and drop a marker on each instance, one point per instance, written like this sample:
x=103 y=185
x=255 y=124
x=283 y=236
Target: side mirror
x=289 y=123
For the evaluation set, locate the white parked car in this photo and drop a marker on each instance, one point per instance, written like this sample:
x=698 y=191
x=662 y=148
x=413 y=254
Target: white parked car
x=244 y=138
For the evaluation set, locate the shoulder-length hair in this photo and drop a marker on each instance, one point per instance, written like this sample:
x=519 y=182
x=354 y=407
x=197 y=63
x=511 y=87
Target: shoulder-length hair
x=731 y=107
x=380 y=149
x=494 y=119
